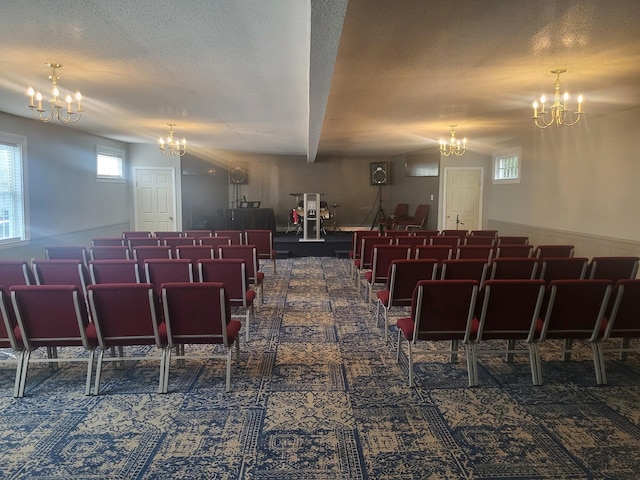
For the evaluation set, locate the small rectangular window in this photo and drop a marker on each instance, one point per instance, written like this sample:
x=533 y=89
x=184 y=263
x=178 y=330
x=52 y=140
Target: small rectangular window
x=110 y=165
x=12 y=200
x=506 y=167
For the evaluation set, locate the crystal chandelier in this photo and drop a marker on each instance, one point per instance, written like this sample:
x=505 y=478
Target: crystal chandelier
x=559 y=110
x=58 y=110
x=171 y=146
x=453 y=147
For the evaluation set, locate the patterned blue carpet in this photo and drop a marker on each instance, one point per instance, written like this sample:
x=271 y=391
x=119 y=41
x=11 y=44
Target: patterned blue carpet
x=318 y=395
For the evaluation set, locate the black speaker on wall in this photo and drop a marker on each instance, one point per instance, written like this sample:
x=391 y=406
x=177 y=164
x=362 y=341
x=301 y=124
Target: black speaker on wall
x=379 y=173
x=238 y=176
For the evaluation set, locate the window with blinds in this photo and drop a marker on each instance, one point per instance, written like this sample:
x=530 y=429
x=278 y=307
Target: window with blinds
x=506 y=167
x=12 y=204
x=109 y=165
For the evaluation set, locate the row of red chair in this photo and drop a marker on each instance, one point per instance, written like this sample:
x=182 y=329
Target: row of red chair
x=190 y=243
x=121 y=315
x=522 y=310
x=231 y=272
x=401 y=276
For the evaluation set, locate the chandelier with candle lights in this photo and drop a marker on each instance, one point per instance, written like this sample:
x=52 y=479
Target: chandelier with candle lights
x=170 y=146
x=70 y=113
x=559 y=112
x=453 y=146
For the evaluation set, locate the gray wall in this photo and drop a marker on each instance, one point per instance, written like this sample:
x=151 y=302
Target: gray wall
x=66 y=202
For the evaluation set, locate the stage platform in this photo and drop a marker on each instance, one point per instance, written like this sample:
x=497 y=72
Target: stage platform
x=335 y=244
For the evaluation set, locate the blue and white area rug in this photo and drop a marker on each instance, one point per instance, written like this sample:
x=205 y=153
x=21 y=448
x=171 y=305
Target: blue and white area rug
x=318 y=395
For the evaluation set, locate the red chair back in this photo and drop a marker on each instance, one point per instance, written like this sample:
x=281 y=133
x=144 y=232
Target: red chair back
x=158 y=271
x=444 y=309
x=514 y=268
x=435 y=252
x=558 y=268
x=404 y=275
x=465 y=269
x=61 y=272
x=114 y=271
x=513 y=251
x=15 y=272
x=110 y=253
x=613 y=268
x=549 y=251
x=236 y=236
x=195 y=252
x=511 y=309
x=576 y=309
x=481 y=252
x=624 y=321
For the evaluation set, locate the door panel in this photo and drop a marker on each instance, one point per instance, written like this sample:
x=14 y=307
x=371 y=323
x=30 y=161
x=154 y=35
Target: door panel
x=463 y=191
x=155 y=202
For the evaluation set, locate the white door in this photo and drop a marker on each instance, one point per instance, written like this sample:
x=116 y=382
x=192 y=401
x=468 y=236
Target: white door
x=154 y=199
x=463 y=199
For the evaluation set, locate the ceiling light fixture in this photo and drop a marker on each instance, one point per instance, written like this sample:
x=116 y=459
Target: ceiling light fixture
x=171 y=146
x=453 y=147
x=57 y=112
x=559 y=111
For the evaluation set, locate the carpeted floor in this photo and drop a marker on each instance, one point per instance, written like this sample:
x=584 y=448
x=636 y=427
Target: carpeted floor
x=318 y=395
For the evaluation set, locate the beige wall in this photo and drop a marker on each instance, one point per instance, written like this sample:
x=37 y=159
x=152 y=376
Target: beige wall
x=579 y=185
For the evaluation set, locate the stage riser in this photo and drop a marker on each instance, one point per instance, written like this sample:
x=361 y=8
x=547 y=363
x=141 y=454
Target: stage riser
x=290 y=245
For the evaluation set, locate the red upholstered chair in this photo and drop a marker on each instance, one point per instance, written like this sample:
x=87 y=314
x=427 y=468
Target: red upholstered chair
x=484 y=233
x=512 y=240
x=143 y=242
x=233 y=273
x=549 y=251
x=249 y=254
x=383 y=255
x=418 y=220
x=513 y=251
x=163 y=235
x=481 y=252
x=110 y=253
x=403 y=277
x=167 y=270
x=441 y=310
x=576 y=310
x=401 y=212
x=510 y=310
x=61 y=272
x=199 y=313
x=356 y=245
x=174 y=242
x=263 y=240
x=613 y=268
x=15 y=272
x=464 y=269
x=425 y=233
x=624 y=320
x=124 y=315
x=514 y=268
x=454 y=233
x=436 y=252
x=10 y=334
x=450 y=240
x=198 y=233
x=412 y=241
x=236 y=236
x=66 y=325
x=364 y=263
x=559 y=268
x=109 y=242
x=480 y=240
x=195 y=252
x=215 y=243
x=397 y=233
x=126 y=235
x=67 y=252
x=114 y=271
x=143 y=253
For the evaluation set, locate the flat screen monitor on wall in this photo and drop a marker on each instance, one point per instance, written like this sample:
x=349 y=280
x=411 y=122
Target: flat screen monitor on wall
x=422 y=165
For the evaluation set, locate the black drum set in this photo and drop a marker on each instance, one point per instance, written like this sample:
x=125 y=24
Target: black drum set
x=297 y=215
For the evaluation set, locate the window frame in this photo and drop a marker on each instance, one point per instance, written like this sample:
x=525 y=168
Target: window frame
x=114 y=153
x=504 y=154
x=20 y=142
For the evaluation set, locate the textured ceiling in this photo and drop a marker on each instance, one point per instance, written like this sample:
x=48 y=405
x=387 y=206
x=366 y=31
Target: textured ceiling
x=294 y=77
